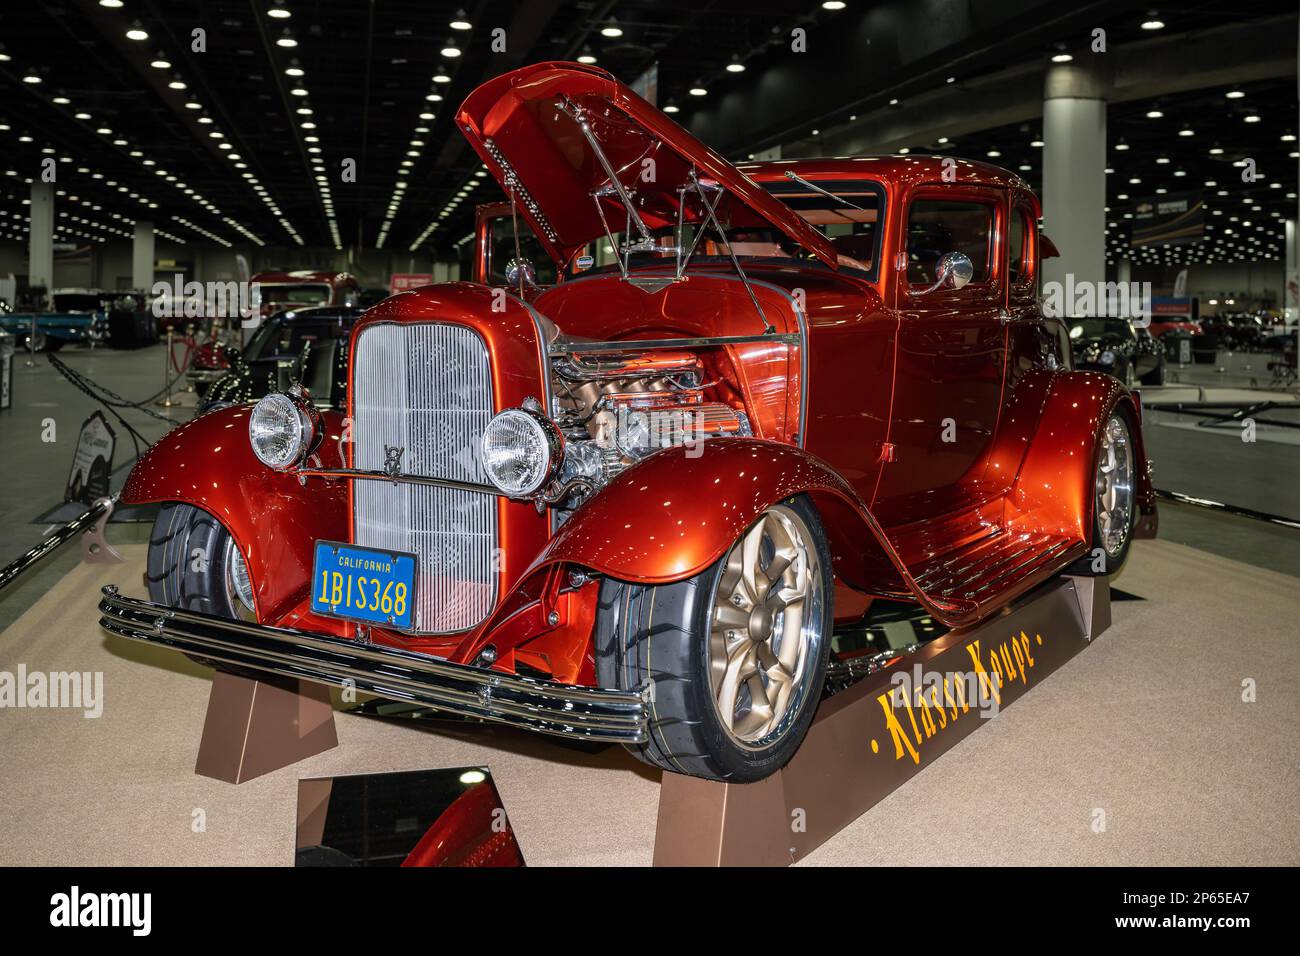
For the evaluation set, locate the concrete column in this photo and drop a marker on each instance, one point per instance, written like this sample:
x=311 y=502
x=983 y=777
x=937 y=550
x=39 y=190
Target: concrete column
x=40 y=262
x=1290 y=276
x=142 y=255
x=1074 y=170
x=1123 y=271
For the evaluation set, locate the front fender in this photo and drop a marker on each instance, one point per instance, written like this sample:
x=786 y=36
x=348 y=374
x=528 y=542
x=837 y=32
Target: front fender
x=208 y=463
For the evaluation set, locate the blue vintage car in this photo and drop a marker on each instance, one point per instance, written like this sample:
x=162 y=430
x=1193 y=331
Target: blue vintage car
x=77 y=315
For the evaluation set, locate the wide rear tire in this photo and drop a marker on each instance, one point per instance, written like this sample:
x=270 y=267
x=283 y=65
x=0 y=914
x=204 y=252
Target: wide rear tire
x=705 y=649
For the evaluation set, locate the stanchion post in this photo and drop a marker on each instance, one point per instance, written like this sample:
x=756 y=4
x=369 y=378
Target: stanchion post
x=31 y=344
x=166 y=401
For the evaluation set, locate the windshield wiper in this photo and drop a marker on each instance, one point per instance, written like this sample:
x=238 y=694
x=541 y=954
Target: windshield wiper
x=825 y=192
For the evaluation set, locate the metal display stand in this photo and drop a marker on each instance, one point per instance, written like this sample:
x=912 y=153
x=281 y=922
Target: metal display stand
x=869 y=739
x=253 y=727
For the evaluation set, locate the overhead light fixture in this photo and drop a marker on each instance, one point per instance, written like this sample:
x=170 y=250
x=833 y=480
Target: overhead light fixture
x=993 y=154
x=1252 y=118
x=699 y=91
x=735 y=66
x=160 y=63
x=611 y=29
x=833 y=4
x=670 y=108
x=286 y=40
x=1153 y=22
x=31 y=78
x=1234 y=94
x=1186 y=131
x=137 y=32
x=1038 y=144
x=111 y=4
x=176 y=84
x=191 y=105
x=1288 y=137
x=1216 y=150
x=1121 y=146
x=451 y=51
x=1154 y=114
x=279 y=12
x=295 y=70
x=61 y=100
x=441 y=78
x=586 y=58
x=1059 y=58
x=460 y=23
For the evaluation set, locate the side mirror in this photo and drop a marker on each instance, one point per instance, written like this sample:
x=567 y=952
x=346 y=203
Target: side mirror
x=953 y=271
x=518 y=270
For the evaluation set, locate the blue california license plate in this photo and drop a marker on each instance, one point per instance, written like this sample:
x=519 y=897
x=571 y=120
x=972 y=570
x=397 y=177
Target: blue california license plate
x=364 y=584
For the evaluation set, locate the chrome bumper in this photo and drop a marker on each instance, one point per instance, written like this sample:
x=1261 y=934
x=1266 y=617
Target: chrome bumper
x=567 y=710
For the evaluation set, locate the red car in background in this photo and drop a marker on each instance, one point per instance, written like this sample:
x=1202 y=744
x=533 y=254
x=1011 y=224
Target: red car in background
x=273 y=292
x=633 y=506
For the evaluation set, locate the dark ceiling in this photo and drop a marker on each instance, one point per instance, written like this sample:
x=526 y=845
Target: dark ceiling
x=215 y=146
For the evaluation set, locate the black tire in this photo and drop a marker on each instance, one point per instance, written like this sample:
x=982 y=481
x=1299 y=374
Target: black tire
x=1097 y=563
x=1157 y=375
x=657 y=636
x=187 y=569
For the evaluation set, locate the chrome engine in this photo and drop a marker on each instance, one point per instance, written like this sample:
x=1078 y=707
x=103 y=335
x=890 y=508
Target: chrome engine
x=615 y=409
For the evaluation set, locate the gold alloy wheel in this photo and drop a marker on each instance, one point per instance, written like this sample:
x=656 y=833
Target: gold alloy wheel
x=766 y=629
x=1114 y=486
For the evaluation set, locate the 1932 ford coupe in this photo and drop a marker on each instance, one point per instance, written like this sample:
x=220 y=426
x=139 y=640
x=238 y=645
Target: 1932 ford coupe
x=634 y=506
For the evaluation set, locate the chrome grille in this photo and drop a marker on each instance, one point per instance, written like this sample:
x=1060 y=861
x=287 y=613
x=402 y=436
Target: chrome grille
x=428 y=389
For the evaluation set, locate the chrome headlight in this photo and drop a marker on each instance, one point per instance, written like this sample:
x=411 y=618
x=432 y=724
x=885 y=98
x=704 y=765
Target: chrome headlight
x=1107 y=357
x=282 y=431
x=520 y=451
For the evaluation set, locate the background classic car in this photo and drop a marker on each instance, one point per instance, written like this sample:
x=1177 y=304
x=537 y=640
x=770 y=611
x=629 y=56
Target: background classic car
x=633 y=508
x=1117 y=347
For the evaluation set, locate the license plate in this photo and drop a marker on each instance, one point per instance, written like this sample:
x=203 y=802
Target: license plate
x=364 y=584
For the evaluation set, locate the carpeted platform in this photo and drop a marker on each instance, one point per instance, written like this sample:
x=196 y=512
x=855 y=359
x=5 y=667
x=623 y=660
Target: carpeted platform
x=1147 y=727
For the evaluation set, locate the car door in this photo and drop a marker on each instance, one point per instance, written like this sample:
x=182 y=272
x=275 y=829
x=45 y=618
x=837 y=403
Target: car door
x=950 y=355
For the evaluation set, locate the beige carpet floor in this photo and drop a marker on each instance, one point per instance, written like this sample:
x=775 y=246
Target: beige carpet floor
x=1146 y=731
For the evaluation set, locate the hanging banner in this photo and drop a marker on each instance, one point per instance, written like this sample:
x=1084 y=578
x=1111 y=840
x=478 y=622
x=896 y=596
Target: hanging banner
x=1168 y=220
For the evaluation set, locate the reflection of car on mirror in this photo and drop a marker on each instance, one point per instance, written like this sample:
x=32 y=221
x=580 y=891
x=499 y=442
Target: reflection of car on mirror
x=632 y=505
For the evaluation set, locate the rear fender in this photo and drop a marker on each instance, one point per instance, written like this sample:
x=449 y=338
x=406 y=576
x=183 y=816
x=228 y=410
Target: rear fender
x=274 y=519
x=1054 y=479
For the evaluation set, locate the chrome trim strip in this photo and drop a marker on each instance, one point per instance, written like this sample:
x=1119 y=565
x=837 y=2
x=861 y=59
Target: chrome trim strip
x=362 y=474
x=567 y=710
x=561 y=347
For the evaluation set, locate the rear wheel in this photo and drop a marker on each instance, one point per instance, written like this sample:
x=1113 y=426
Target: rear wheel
x=1114 y=504
x=734 y=657
x=1157 y=375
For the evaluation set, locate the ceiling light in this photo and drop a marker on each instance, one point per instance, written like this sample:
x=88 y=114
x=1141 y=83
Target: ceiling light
x=1153 y=24
x=176 y=84
x=111 y=4
x=450 y=51
x=460 y=23
x=298 y=91
x=286 y=40
x=1057 y=58
x=1154 y=114
x=699 y=91
x=993 y=154
x=136 y=32
x=1288 y=137
x=295 y=70
x=278 y=12
x=191 y=105
x=670 y=108
x=31 y=78
x=833 y=5
x=81 y=116
x=1234 y=94
x=735 y=66
x=1038 y=144
x=64 y=101
x=160 y=64
x=586 y=58
x=1121 y=145
x=441 y=78
x=1252 y=118
x=611 y=29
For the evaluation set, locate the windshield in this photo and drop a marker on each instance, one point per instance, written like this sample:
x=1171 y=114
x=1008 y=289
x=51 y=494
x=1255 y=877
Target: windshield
x=853 y=232
x=1096 y=328
x=300 y=294
x=76 y=302
x=501 y=249
x=286 y=339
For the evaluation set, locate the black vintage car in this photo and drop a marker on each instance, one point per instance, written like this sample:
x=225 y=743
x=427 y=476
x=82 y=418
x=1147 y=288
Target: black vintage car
x=309 y=346
x=1116 y=347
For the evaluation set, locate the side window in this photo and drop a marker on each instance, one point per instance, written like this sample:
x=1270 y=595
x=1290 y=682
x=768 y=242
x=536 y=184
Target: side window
x=937 y=226
x=1021 y=247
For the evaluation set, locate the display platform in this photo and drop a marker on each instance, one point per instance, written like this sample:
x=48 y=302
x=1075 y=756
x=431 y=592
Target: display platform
x=1140 y=751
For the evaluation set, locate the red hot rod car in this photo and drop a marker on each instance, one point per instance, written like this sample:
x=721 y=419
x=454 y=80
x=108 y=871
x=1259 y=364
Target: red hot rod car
x=632 y=507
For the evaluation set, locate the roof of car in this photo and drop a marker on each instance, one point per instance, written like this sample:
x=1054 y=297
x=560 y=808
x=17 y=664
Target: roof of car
x=896 y=169
x=300 y=275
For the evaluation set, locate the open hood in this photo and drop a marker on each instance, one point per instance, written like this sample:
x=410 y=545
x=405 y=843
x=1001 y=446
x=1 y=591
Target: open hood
x=527 y=126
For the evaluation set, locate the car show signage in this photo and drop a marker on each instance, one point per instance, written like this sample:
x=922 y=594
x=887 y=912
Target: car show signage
x=1172 y=219
x=93 y=461
x=404 y=281
x=872 y=738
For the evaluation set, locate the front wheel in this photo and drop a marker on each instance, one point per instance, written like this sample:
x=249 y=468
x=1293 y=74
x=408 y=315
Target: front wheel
x=734 y=657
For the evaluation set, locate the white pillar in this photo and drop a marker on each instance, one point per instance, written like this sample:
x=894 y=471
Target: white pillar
x=142 y=256
x=1074 y=172
x=1124 y=271
x=40 y=237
